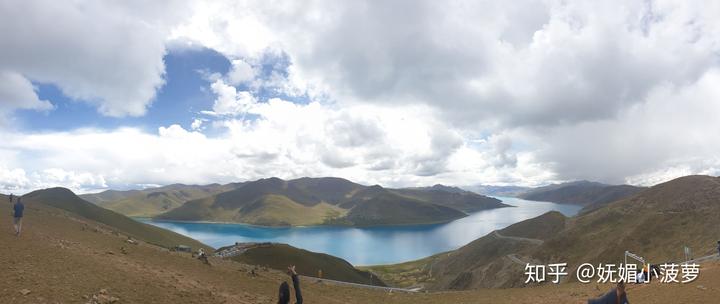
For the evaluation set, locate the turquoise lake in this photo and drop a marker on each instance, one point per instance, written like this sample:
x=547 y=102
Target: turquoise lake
x=373 y=245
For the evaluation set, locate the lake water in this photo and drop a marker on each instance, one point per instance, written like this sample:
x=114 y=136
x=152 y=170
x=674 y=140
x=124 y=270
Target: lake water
x=373 y=245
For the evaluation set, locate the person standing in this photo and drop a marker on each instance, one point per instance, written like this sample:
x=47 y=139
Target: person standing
x=19 y=209
x=718 y=248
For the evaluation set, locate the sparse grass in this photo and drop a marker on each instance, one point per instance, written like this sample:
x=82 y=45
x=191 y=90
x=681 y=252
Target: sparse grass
x=66 y=200
x=152 y=202
x=268 y=210
x=280 y=256
x=407 y=274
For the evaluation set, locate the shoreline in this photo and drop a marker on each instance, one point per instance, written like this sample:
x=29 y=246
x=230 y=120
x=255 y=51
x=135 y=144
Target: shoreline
x=317 y=225
x=299 y=226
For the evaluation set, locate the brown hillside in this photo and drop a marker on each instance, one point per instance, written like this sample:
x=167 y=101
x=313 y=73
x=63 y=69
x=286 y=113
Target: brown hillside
x=655 y=224
x=56 y=261
x=66 y=200
x=328 y=200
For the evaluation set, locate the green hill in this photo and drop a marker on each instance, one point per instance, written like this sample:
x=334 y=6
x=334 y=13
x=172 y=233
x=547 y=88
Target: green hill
x=308 y=263
x=153 y=201
x=109 y=196
x=315 y=201
x=65 y=199
x=392 y=209
x=591 y=195
x=266 y=210
x=270 y=202
x=453 y=197
x=332 y=190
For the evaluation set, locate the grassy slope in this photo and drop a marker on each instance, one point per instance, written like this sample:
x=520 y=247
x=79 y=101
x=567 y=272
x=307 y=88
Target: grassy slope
x=461 y=200
x=485 y=256
x=655 y=224
x=154 y=201
x=268 y=210
x=66 y=200
x=307 y=201
x=108 y=196
x=276 y=210
x=393 y=209
x=407 y=274
x=541 y=227
x=280 y=256
x=60 y=262
x=581 y=193
x=332 y=190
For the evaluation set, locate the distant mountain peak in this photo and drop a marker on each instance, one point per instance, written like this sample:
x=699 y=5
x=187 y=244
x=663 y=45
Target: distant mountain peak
x=447 y=188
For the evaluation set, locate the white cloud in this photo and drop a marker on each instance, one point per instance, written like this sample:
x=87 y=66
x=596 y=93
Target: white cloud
x=394 y=147
x=672 y=130
x=197 y=124
x=55 y=177
x=229 y=101
x=401 y=93
x=18 y=181
x=16 y=92
x=240 y=72
x=108 y=54
x=13 y=179
x=540 y=80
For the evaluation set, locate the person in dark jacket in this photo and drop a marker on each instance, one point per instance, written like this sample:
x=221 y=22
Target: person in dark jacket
x=284 y=292
x=19 y=208
x=616 y=295
x=718 y=248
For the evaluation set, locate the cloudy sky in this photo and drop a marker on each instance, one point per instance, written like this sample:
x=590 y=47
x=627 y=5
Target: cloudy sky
x=125 y=94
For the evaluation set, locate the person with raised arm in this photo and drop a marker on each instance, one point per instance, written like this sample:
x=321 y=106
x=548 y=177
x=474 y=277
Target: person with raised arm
x=284 y=292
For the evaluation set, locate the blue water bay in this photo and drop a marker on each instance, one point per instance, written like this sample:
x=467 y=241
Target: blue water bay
x=373 y=245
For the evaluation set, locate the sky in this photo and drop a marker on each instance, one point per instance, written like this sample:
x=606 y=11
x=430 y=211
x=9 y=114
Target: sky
x=97 y=95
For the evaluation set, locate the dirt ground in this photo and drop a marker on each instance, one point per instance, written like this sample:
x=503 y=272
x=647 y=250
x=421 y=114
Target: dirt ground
x=62 y=259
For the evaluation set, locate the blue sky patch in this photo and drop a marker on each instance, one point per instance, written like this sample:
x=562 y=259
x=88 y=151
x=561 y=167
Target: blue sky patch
x=184 y=94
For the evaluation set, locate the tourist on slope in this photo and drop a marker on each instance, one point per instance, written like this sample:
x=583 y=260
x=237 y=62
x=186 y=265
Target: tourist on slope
x=18 y=208
x=614 y=296
x=284 y=296
x=718 y=248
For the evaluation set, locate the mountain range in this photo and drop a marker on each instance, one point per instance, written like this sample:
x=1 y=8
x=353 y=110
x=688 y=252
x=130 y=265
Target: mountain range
x=298 y=202
x=66 y=235
x=590 y=195
x=66 y=257
x=656 y=223
x=154 y=201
